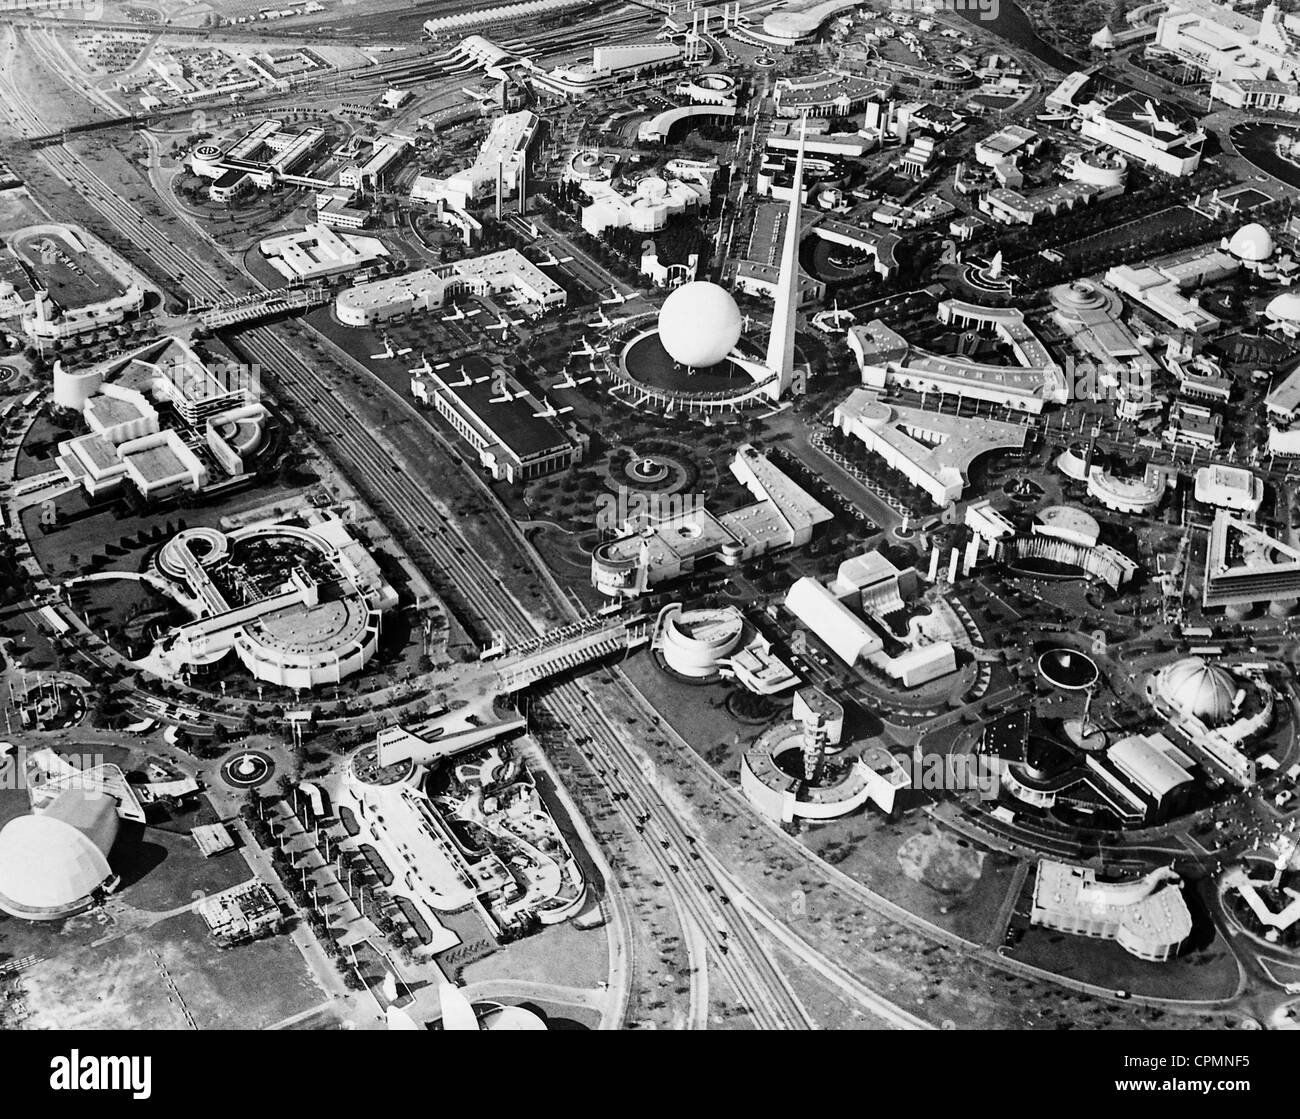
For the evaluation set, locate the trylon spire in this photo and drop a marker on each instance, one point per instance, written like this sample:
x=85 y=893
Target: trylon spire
x=780 y=345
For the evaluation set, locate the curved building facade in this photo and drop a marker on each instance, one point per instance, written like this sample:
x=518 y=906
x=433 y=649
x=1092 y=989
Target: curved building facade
x=1217 y=710
x=1195 y=687
x=1147 y=917
x=694 y=643
x=1102 y=562
x=1136 y=496
x=319 y=626
x=52 y=864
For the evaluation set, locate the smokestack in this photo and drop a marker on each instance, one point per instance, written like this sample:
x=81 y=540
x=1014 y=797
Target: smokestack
x=501 y=171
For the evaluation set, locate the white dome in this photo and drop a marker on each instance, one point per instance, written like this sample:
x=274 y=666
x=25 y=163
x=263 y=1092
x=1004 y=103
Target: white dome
x=1193 y=687
x=1285 y=306
x=1105 y=37
x=511 y=1018
x=1251 y=242
x=699 y=324
x=51 y=863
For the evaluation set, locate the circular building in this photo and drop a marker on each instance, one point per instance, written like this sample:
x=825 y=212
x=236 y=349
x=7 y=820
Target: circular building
x=1068 y=669
x=299 y=605
x=1193 y=686
x=497 y=1016
x=694 y=643
x=1285 y=309
x=1100 y=168
x=1068 y=522
x=52 y=864
x=1073 y=463
x=699 y=324
x=691 y=357
x=458 y=1013
x=72 y=389
x=205 y=161
x=1251 y=243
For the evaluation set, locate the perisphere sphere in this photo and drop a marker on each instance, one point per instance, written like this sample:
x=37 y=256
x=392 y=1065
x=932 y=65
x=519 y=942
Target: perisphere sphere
x=699 y=324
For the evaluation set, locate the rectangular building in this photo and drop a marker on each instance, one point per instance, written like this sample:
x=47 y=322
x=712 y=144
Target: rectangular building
x=514 y=439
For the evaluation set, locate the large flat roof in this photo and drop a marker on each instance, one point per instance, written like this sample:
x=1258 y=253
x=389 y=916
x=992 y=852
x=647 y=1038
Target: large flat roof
x=1132 y=112
x=1151 y=762
x=769 y=482
x=157 y=464
x=514 y=424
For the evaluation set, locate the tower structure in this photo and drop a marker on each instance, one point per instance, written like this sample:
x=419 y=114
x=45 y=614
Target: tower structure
x=780 y=344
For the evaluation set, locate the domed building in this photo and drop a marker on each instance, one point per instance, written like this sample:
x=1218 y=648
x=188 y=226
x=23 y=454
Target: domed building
x=699 y=324
x=52 y=863
x=1216 y=709
x=1252 y=244
x=1284 y=310
x=692 y=360
x=1195 y=687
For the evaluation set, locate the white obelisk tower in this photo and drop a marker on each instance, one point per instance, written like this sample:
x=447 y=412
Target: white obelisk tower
x=780 y=344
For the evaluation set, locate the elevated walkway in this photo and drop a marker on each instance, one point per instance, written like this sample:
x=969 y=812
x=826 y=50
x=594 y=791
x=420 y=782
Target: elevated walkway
x=250 y=308
x=562 y=650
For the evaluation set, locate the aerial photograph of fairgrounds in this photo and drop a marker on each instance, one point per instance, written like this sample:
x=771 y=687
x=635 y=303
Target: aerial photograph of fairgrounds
x=650 y=514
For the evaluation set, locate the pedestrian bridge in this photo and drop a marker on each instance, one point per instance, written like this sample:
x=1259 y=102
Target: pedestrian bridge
x=561 y=650
x=250 y=308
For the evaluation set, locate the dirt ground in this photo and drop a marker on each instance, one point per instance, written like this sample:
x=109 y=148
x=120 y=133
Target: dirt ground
x=154 y=978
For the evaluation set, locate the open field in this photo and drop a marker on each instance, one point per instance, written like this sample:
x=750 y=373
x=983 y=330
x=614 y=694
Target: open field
x=17 y=209
x=559 y=954
x=1209 y=973
x=151 y=978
